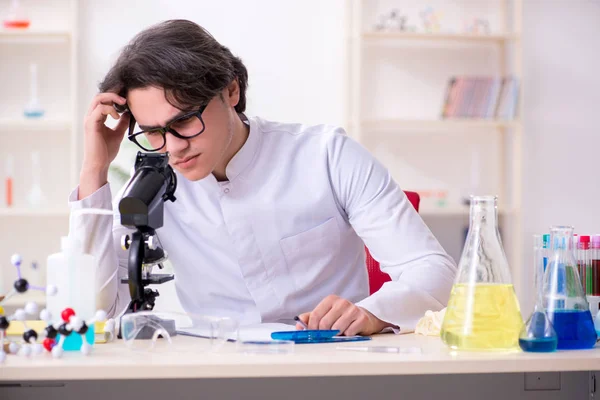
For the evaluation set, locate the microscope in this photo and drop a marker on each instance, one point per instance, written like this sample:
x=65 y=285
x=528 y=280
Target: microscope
x=142 y=208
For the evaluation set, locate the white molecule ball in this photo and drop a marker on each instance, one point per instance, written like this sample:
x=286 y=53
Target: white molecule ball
x=75 y=322
x=86 y=349
x=57 y=352
x=25 y=351
x=16 y=259
x=31 y=308
x=46 y=315
x=51 y=290
x=13 y=348
x=100 y=316
x=20 y=315
x=37 y=348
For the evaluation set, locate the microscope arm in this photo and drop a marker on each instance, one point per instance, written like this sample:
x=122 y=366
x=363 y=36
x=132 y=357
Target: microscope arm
x=136 y=257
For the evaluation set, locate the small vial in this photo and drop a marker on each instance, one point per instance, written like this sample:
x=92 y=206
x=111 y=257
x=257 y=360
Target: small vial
x=8 y=180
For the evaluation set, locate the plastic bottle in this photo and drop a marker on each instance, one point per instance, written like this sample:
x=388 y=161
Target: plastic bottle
x=74 y=274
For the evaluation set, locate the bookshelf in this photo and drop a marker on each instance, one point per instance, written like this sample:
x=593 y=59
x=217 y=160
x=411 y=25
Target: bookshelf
x=457 y=37
x=451 y=124
x=50 y=41
x=397 y=87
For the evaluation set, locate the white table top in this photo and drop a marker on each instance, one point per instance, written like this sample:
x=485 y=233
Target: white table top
x=187 y=358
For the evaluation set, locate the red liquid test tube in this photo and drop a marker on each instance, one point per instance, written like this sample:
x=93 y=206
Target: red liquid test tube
x=595 y=270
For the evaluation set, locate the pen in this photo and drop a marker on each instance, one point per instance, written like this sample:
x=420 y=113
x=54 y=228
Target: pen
x=381 y=349
x=298 y=320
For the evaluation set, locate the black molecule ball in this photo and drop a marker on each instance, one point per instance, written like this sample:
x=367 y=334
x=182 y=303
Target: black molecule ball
x=30 y=334
x=51 y=332
x=21 y=285
x=63 y=330
x=4 y=323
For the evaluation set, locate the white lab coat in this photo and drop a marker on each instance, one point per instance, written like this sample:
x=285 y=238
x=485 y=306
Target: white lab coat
x=287 y=229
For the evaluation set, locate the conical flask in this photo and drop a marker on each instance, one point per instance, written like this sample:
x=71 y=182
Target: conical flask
x=563 y=296
x=538 y=334
x=483 y=312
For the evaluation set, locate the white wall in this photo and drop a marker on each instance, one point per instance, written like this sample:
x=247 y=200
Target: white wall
x=294 y=51
x=562 y=64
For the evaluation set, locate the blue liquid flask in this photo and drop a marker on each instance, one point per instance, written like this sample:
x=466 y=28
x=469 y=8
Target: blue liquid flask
x=563 y=296
x=538 y=334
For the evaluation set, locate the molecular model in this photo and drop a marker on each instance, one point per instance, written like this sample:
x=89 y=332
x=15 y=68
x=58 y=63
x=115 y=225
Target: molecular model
x=70 y=322
x=20 y=286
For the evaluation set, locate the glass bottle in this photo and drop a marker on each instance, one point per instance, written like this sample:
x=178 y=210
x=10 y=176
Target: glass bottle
x=33 y=108
x=538 y=334
x=563 y=296
x=483 y=312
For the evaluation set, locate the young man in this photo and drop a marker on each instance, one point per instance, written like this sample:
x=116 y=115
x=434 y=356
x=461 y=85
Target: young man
x=271 y=219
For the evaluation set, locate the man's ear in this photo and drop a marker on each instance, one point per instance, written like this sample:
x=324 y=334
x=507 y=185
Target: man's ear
x=233 y=93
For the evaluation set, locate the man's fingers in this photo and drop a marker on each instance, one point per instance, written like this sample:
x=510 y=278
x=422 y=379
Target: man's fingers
x=101 y=112
x=338 y=308
x=304 y=318
x=320 y=311
x=346 y=319
x=358 y=326
x=107 y=99
x=123 y=123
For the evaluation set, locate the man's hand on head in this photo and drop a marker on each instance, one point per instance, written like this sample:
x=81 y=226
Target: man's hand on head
x=335 y=312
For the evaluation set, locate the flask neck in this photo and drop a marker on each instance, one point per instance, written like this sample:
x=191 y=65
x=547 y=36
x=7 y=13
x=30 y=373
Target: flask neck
x=561 y=238
x=484 y=214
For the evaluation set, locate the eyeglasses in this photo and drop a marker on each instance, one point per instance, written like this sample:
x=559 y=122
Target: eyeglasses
x=187 y=126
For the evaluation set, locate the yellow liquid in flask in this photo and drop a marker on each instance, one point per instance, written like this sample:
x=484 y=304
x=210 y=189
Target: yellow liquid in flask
x=482 y=317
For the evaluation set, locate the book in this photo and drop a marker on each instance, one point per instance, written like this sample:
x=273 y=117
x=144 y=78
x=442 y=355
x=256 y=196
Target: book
x=481 y=97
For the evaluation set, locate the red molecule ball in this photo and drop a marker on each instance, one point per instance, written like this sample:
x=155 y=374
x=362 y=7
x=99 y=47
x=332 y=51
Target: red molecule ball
x=49 y=344
x=66 y=314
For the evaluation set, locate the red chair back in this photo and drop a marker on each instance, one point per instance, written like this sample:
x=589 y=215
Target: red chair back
x=376 y=277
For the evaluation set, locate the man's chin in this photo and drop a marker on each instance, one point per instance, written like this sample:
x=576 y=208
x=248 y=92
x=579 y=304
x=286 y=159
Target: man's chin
x=194 y=175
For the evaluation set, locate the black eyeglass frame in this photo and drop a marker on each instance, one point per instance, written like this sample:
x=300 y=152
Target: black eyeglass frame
x=167 y=129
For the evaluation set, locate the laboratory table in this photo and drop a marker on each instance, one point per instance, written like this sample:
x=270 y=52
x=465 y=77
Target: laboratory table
x=187 y=370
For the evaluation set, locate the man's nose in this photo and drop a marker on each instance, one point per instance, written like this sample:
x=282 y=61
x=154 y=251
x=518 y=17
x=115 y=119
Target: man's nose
x=175 y=145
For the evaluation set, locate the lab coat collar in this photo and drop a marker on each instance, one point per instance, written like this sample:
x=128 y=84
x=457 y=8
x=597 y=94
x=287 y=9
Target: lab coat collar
x=244 y=157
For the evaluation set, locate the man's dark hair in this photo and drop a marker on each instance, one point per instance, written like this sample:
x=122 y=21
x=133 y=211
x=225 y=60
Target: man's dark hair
x=180 y=57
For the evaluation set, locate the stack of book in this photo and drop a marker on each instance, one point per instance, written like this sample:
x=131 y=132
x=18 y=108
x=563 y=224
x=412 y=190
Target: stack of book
x=481 y=97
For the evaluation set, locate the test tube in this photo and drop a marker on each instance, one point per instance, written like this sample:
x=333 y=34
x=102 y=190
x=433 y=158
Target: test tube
x=583 y=261
x=575 y=250
x=545 y=247
x=595 y=266
x=8 y=180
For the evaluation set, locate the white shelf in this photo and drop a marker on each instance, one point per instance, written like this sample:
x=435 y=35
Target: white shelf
x=33 y=212
x=34 y=35
x=37 y=124
x=461 y=37
x=27 y=32
x=455 y=211
x=20 y=300
x=440 y=124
